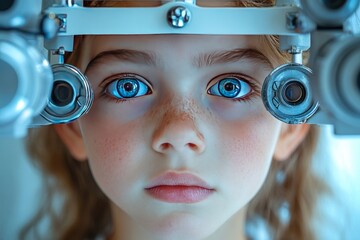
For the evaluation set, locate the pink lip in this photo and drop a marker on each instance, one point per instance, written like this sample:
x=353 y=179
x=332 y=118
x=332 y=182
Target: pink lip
x=179 y=188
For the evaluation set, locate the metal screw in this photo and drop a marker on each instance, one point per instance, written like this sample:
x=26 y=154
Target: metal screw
x=292 y=21
x=62 y=21
x=179 y=16
x=60 y=53
x=300 y=23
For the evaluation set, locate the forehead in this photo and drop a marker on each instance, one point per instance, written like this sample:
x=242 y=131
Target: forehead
x=197 y=50
x=181 y=46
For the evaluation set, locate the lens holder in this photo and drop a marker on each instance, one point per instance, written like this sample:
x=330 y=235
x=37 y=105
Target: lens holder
x=26 y=77
x=71 y=96
x=330 y=13
x=286 y=93
x=338 y=79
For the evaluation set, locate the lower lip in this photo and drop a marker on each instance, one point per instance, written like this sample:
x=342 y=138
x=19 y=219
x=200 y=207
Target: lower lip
x=179 y=194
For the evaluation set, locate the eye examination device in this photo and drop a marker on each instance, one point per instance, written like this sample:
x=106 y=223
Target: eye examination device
x=36 y=90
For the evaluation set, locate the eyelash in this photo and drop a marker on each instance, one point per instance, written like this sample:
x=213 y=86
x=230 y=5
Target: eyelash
x=255 y=88
x=112 y=80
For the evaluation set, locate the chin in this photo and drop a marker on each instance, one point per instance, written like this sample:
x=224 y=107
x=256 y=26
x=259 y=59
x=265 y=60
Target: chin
x=182 y=226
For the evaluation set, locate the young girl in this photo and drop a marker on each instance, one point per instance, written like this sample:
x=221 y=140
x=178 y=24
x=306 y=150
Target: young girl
x=177 y=144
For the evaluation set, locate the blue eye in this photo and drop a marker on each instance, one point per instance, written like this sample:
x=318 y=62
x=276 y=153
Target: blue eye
x=230 y=87
x=127 y=87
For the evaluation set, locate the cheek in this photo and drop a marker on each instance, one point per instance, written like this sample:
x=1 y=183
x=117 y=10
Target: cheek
x=248 y=147
x=112 y=133
x=113 y=149
x=110 y=111
x=235 y=111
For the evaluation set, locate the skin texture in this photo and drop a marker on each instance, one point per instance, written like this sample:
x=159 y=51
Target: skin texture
x=178 y=127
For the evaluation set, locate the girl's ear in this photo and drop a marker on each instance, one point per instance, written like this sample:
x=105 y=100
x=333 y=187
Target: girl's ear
x=71 y=136
x=290 y=138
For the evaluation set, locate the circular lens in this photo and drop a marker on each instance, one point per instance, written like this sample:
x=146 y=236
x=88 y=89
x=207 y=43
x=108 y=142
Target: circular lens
x=62 y=93
x=287 y=95
x=294 y=93
x=334 y=4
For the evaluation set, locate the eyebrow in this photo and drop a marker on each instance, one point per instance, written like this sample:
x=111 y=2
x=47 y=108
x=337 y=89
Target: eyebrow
x=235 y=55
x=127 y=55
x=200 y=61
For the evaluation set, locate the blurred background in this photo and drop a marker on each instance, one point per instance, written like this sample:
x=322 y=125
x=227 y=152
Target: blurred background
x=337 y=160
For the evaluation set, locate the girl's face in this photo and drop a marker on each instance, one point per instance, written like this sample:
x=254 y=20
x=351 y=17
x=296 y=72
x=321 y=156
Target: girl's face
x=178 y=137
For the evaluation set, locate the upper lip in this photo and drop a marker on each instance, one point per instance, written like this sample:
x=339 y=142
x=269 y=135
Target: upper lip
x=178 y=179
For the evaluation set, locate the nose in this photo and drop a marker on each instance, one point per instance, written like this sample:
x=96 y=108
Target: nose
x=179 y=134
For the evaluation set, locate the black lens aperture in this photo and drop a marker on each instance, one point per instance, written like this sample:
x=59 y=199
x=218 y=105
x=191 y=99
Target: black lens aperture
x=334 y=4
x=6 y=4
x=62 y=94
x=294 y=93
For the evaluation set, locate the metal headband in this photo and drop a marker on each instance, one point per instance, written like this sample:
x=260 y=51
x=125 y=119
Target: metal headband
x=173 y=18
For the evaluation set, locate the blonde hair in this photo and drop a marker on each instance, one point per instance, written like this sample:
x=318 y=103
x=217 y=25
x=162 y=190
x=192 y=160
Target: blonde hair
x=83 y=211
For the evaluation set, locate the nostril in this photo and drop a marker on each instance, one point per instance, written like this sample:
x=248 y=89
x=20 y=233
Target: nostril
x=164 y=146
x=178 y=136
x=193 y=146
